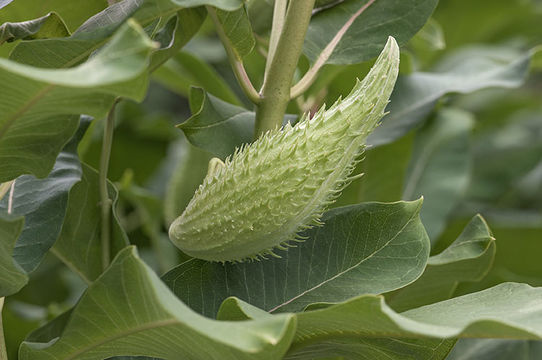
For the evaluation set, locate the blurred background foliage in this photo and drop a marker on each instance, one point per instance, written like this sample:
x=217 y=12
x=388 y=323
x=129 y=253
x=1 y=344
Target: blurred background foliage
x=472 y=151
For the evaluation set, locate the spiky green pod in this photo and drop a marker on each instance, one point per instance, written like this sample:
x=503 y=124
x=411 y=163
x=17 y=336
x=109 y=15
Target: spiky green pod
x=270 y=190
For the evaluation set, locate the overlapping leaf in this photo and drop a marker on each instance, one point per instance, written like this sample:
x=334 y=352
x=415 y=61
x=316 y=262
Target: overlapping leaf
x=364 y=249
x=129 y=311
x=39 y=108
x=48 y=26
x=13 y=277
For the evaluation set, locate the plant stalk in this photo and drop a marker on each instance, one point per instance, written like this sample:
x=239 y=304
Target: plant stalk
x=3 y=350
x=276 y=88
x=279 y=13
x=235 y=61
x=105 y=201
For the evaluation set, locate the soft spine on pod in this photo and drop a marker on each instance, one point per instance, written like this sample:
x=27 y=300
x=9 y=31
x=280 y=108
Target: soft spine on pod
x=270 y=190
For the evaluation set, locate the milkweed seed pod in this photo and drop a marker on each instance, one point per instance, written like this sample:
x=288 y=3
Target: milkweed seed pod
x=269 y=191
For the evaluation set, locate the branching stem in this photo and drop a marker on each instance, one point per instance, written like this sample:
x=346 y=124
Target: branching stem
x=105 y=201
x=279 y=14
x=278 y=80
x=235 y=61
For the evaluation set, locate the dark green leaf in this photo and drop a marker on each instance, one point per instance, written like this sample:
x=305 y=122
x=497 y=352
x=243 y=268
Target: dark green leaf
x=363 y=249
x=79 y=245
x=366 y=30
x=440 y=167
x=43 y=203
x=129 y=311
x=237 y=29
x=13 y=276
x=469 y=258
x=496 y=349
x=36 y=109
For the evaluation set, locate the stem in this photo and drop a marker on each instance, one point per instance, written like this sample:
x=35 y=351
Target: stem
x=105 y=202
x=279 y=13
x=309 y=77
x=10 y=199
x=276 y=88
x=4 y=188
x=235 y=60
x=3 y=350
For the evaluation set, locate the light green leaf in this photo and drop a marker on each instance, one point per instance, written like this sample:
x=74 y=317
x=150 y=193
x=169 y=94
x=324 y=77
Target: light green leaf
x=346 y=346
x=496 y=349
x=361 y=28
x=469 y=258
x=79 y=243
x=440 y=167
x=43 y=203
x=38 y=105
x=185 y=70
x=129 y=311
x=48 y=26
x=13 y=276
x=508 y=310
x=363 y=249
x=430 y=37
x=465 y=71
x=237 y=29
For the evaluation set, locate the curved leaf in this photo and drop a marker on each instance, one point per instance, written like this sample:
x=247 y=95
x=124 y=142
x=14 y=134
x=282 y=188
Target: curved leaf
x=467 y=70
x=48 y=26
x=361 y=28
x=367 y=248
x=129 y=311
x=13 y=277
x=36 y=106
x=468 y=258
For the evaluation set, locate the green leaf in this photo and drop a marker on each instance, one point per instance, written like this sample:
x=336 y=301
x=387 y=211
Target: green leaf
x=496 y=349
x=48 y=26
x=79 y=244
x=129 y=311
x=13 y=276
x=185 y=70
x=214 y=119
x=73 y=13
x=469 y=258
x=217 y=126
x=507 y=310
x=237 y=28
x=36 y=110
x=440 y=167
x=346 y=346
x=465 y=71
x=190 y=170
x=43 y=203
x=362 y=28
x=363 y=249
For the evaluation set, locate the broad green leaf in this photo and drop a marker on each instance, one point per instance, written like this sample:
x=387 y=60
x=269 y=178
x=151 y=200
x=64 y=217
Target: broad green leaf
x=189 y=172
x=129 y=311
x=48 y=26
x=38 y=106
x=463 y=72
x=361 y=28
x=440 y=167
x=13 y=276
x=74 y=13
x=469 y=258
x=237 y=29
x=345 y=346
x=184 y=70
x=217 y=126
x=43 y=203
x=508 y=310
x=79 y=243
x=496 y=349
x=369 y=248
